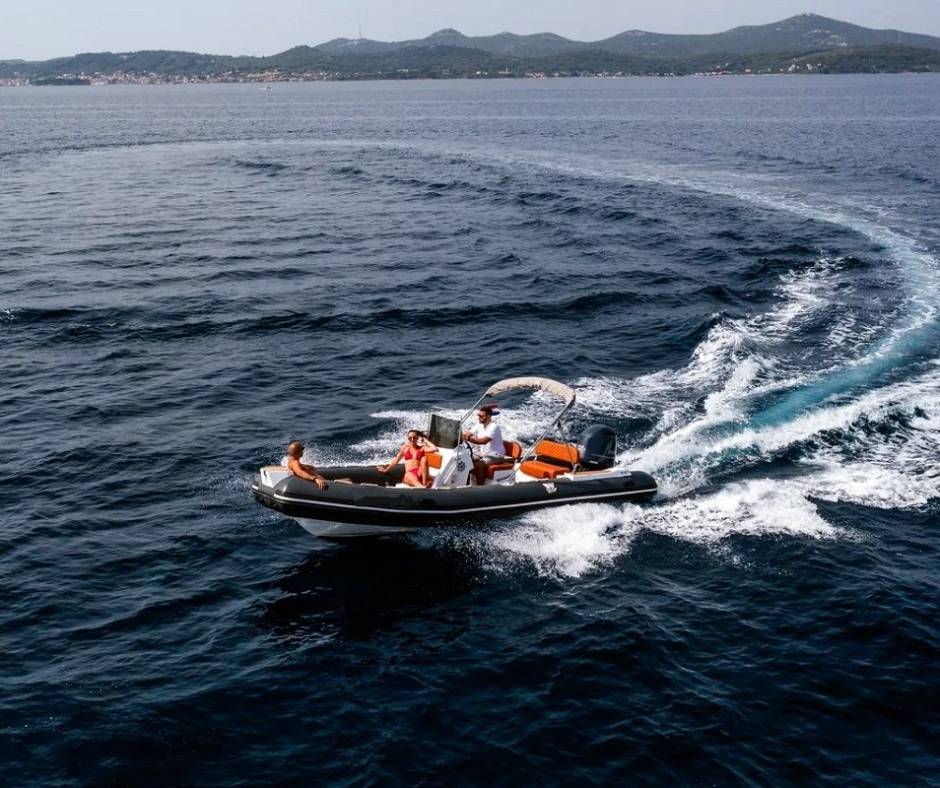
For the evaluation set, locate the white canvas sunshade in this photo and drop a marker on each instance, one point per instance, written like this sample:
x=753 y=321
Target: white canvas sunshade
x=539 y=384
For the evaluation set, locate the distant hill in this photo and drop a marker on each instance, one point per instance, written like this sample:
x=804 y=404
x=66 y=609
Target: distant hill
x=356 y=46
x=499 y=44
x=803 y=42
x=801 y=33
x=158 y=62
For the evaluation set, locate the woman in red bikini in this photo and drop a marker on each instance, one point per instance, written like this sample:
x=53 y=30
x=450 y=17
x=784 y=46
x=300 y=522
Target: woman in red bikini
x=414 y=453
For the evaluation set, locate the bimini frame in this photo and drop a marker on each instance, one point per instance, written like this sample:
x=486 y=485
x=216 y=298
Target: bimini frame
x=533 y=384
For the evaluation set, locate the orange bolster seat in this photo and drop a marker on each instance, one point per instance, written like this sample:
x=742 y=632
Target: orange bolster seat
x=552 y=459
x=542 y=470
x=434 y=459
x=513 y=450
x=564 y=453
x=498 y=466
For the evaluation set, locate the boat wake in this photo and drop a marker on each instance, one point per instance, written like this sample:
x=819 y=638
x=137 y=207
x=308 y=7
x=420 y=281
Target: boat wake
x=831 y=395
x=575 y=540
x=854 y=418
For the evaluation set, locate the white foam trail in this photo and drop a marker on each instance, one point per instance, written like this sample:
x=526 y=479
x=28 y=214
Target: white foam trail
x=874 y=484
x=567 y=541
x=575 y=540
x=754 y=508
x=670 y=457
x=734 y=364
x=855 y=464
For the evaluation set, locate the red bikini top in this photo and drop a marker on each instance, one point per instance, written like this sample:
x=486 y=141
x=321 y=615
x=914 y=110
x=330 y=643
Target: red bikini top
x=416 y=455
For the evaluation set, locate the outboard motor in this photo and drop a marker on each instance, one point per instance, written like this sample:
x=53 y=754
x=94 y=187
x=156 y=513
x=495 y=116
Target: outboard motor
x=598 y=448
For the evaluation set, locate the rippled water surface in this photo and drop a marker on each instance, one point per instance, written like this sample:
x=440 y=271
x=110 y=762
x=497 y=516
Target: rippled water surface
x=741 y=276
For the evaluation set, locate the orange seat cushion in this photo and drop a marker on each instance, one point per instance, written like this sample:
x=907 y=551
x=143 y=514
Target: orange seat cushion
x=497 y=466
x=542 y=470
x=565 y=453
x=513 y=450
x=434 y=459
x=551 y=460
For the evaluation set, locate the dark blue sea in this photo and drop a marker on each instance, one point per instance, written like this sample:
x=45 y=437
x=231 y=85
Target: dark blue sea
x=740 y=275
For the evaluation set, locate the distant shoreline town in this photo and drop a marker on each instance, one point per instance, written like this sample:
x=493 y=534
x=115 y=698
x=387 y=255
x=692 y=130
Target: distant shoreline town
x=275 y=77
x=803 y=44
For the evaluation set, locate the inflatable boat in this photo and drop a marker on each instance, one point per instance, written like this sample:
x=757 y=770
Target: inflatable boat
x=364 y=501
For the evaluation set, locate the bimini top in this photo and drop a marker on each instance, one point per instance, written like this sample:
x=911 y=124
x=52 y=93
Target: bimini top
x=539 y=384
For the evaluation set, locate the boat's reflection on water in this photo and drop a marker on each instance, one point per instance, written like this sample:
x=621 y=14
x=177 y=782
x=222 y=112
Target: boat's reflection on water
x=353 y=591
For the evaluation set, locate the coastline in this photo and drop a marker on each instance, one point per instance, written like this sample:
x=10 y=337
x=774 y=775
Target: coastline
x=513 y=78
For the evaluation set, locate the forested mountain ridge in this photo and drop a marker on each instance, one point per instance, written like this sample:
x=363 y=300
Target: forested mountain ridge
x=806 y=42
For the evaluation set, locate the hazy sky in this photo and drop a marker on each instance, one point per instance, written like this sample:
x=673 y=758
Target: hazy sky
x=40 y=29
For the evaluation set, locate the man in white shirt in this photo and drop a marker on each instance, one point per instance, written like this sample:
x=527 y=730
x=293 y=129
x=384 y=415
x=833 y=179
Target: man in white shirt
x=486 y=434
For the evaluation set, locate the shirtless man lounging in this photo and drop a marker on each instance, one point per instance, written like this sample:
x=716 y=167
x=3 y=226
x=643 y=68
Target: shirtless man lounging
x=300 y=470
